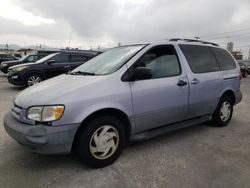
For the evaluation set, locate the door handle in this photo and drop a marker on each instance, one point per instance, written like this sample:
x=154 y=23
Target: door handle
x=181 y=83
x=67 y=66
x=195 y=81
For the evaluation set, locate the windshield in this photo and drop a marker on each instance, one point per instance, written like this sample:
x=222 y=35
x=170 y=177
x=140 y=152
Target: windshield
x=23 y=58
x=109 y=61
x=46 y=58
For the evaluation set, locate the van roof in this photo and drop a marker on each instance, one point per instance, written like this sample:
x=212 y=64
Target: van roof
x=192 y=41
x=178 y=41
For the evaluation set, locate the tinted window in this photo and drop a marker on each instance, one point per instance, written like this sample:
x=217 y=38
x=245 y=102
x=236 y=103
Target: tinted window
x=161 y=60
x=200 y=58
x=62 y=58
x=77 y=58
x=225 y=60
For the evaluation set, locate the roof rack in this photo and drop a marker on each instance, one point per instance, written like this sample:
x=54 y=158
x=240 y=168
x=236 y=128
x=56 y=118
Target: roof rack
x=193 y=40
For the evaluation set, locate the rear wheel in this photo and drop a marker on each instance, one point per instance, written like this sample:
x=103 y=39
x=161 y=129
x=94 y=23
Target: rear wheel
x=101 y=142
x=33 y=79
x=223 y=112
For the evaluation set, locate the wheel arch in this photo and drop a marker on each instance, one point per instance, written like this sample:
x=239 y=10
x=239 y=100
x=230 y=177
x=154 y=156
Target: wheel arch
x=102 y=112
x=231 y=94
x=34 y=72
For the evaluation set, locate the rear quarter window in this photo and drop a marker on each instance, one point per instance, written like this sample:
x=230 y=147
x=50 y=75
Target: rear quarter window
x=224 y=59
x=200 y=58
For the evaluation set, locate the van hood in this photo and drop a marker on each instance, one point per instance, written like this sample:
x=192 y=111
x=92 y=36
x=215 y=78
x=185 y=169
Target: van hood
x=50 y=91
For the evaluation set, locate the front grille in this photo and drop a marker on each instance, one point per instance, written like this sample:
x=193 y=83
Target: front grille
x=16 y=111
x=19 y=114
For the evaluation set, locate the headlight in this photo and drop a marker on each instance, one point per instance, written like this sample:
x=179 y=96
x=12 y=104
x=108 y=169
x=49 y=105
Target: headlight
x=45 y=113
x=17 y=69
x=3 y=64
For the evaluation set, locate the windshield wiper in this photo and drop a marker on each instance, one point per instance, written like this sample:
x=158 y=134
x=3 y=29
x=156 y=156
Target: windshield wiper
x=82 y=73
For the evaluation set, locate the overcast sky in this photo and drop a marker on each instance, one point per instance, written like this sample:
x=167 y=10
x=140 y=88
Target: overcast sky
x=107 y=22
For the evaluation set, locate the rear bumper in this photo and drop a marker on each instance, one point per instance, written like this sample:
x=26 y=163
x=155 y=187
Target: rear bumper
x=41 y=138
x=238 y=97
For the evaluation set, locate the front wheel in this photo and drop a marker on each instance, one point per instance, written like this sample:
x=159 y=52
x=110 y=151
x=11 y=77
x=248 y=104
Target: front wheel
x=101 y=141
x=223 y=112
x=33 y=79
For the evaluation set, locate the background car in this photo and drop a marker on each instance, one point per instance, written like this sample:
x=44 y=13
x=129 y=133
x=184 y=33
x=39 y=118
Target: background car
x=25 y=59
x=6 y=57
x=243 y=69
x=52 y=65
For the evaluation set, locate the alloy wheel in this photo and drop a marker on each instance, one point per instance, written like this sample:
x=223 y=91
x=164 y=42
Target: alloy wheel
x=34 y=80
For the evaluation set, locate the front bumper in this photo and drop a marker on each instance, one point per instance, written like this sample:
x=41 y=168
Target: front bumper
x=14 y=78
x=4 y=69
x=41 y=138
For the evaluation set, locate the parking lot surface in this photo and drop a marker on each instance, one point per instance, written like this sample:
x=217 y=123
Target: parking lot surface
x=198 y=156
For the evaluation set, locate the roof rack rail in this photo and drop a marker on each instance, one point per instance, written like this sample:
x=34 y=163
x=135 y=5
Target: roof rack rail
x=193 y=40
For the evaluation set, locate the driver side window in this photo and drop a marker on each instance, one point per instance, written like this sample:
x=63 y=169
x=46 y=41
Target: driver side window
x=62 y=58
x=162 y=61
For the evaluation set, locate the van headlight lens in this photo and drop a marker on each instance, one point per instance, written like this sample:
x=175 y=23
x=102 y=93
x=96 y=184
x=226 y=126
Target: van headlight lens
x=45 y=113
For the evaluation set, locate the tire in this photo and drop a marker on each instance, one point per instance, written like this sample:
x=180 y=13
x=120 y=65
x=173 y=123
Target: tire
x=101 y=142
x=223 y=112
x=33 y=79
x=5 y=70
x=245 y=74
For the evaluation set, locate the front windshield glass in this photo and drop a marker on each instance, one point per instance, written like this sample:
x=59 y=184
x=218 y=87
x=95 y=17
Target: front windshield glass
x=46 y=58
x=23 y=58
x=109 y=61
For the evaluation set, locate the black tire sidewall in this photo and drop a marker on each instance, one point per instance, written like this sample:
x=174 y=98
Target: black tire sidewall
x=216 y=116
x=5 y=70
x=86 y=134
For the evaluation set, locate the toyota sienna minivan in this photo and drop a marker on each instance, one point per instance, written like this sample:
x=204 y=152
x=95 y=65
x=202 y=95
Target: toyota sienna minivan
x=128 y=93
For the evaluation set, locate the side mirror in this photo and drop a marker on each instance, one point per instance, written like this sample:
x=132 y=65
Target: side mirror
x=50 y=61
x=142 y=73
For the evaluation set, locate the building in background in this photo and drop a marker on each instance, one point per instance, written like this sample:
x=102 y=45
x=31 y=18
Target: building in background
x=230 y=46
x=30 y=51
x=238 y=55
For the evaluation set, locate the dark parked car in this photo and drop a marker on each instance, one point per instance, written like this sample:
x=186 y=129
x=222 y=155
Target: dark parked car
x=243 y=69
x=25 y=59
x=6 y=57
x=52 y=65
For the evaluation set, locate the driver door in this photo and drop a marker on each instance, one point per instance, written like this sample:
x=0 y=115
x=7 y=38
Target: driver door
x=60 y=64
x=160 y=100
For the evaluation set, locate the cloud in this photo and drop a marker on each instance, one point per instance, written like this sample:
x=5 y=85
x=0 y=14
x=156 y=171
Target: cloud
x=20 y=15
x=95 y=22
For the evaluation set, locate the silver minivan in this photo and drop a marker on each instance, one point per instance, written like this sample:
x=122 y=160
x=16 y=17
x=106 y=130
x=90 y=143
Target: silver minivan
x=128 y=93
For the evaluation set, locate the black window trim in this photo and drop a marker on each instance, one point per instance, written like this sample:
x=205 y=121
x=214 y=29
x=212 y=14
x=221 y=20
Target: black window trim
x=127 y=75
